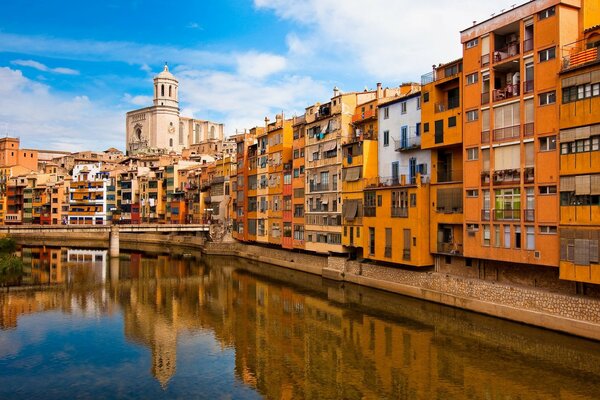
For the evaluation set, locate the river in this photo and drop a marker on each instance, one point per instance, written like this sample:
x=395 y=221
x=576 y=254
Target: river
x=159 y=326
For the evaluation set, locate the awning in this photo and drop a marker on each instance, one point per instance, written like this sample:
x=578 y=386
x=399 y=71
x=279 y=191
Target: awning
x=352 y=174
x=329 y=146
x=351 y=209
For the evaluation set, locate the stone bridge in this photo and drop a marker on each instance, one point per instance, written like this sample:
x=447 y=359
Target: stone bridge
x=110 y=232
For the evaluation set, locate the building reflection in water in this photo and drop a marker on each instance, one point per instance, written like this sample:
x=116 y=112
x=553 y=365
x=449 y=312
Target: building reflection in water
x=308 y=339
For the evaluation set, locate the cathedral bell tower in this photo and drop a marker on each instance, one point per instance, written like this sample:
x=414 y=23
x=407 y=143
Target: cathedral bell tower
x=166 y=89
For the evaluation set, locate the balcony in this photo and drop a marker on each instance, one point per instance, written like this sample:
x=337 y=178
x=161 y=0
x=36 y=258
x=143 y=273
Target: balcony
x=485 y=60
x=507 y=177
x=364 y=115
x=509 y=132
x=360 y=135
x=449 y=248
x=528 y=129
x=579 y=53
x=527 y=45
x=449 y=175
x=485 y=178
x=399 y=212
x=407 y=143
x=445 y=106
x=506 y=92
x=528 y=86
x=321 y=187
x=508 y=51
x=485 y=136
x=485 y=215
x=529 y=175
x=529 y=215
x=506 y=214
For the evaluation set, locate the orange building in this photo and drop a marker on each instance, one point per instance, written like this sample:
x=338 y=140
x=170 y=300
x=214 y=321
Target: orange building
x=441 y=118
x=510 y=67
x=298 y=181
x=580 y=160
x=279 y=136
x=11 y=154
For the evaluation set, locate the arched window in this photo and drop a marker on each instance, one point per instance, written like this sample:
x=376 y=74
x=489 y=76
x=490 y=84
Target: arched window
x=212 y=132
x=169 y=90
x=180 y=133
x=197 y=132
x=171 y=142
x=162 y=90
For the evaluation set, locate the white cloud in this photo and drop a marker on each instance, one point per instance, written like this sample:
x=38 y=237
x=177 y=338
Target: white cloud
x=243 y=101
x=193 y=25
x=389 y=40
x=139 y=100
x=41 y=67
x=259 y=65
x=44 y=119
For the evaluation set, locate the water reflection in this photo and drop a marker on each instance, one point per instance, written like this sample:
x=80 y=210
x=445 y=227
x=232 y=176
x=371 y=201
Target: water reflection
x=306 y=339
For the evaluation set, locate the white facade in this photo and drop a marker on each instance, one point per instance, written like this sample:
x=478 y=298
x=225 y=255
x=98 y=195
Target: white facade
x=399 y=140
x=160 y=128
x=88 y=191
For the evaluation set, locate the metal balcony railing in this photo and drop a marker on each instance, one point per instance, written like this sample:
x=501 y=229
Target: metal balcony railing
x=503 y=214
x=529 y=215
x=528 y=129
x=509 y=132
x=399 y=212
x=507 y=51
x=527 y=45
x=485 y=97
x=579 y=53
x=449 y=175
x=449 y=248
x=485 y=215
x=485 y=136
x=506 y=92
x=528 y=86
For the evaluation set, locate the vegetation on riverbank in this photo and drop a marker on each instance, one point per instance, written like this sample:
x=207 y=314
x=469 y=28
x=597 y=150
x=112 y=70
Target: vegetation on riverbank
x=11 y=267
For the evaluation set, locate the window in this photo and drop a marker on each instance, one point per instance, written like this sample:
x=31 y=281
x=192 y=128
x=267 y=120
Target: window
x=548 y=230
x=574 y=93
x=547 y=98
x=426 y=127
x=486 y=235
x=451 y=122
x=548 y=143
x=386 y=112
x=547 y=54
x=517 y=237
x=530 y=238
x=426 y=97
x=548 y=189
x=472 y=43
x=472 y=78
x=371 y=241
x=418 y=103
x=497 y=236
x=507 y=236
x=472 y=116
x=403 y=107
x=472 y=154
x=548 y=12
x=472 y=193
x=386 y=138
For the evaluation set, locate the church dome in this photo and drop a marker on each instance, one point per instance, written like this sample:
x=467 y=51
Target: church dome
x=165 y=74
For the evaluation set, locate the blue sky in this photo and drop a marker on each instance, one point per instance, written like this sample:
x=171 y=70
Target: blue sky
x=69 y=70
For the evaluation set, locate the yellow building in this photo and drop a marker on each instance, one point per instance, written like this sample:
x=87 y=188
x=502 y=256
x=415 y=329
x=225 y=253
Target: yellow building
x=580 y=160
x=359 y=163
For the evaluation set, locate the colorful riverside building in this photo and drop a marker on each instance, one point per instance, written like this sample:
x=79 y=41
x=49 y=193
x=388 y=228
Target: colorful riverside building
x=579 y=230
x=298 y=181
x=262 y=185
x=441 y=121
x=396 y=201
x=244 y=189
x=510 y=123
x=91 y=195
x=327 y=127
x=279 y=150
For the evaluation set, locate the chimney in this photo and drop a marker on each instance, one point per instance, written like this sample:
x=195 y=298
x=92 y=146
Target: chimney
x=379 y=90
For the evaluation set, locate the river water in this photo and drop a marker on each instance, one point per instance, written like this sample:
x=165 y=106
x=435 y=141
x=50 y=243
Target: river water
x=159 y=326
